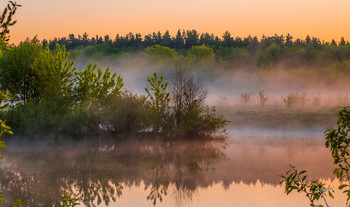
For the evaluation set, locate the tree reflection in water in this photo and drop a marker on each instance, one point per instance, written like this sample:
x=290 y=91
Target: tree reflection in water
x=96 y=172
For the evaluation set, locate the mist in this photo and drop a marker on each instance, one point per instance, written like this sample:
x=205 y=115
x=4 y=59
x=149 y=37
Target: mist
x=328 y=86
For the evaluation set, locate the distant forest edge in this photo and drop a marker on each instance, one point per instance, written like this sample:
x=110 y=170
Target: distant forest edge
x=207 y=50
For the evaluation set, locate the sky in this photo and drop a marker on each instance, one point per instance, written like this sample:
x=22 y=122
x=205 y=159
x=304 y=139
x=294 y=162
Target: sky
x=326 y=19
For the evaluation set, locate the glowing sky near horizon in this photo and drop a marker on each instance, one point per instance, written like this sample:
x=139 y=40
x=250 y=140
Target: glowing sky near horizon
x=326 y=19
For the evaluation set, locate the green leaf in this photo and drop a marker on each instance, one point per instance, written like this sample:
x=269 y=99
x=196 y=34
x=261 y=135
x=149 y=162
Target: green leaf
x=303 y=171
x=342 y=186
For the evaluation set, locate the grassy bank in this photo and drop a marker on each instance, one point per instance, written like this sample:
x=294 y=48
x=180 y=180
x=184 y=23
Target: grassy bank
x=272 y=117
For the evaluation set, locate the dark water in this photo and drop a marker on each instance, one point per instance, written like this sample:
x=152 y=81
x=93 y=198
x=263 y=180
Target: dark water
x=240 y=171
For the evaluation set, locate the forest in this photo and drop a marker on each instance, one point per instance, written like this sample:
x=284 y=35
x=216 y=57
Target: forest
x=206 y=49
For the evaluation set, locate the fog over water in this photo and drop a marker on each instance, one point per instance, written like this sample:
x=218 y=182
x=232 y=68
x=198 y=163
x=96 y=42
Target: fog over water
x=242 y=170
x=248 y=161
x=225 y=85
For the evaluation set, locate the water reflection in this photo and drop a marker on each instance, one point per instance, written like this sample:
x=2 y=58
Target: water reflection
x=98 y=172
x=108 y=172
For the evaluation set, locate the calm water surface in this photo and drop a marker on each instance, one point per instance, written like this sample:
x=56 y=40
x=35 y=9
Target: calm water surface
x=241 y=171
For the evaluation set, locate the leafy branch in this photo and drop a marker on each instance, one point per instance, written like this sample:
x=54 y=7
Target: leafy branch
x=6 y=22
x=314 y=190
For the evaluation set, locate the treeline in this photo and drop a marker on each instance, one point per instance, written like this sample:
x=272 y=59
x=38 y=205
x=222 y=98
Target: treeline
x=187 y=39
x=268 y=51
x=51 y=96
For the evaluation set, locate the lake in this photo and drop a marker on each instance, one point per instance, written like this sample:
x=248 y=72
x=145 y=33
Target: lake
x=242 y=170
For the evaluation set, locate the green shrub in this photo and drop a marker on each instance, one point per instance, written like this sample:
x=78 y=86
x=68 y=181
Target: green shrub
x=161 y=54
x=17 y=73
x=126 y=113
x=159 y=100
x=201 y=55
x=189 y=115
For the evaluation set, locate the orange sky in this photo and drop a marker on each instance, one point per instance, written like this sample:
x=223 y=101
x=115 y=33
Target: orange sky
x=326 y=19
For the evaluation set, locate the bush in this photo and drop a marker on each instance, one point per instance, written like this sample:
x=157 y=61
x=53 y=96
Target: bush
x=289 y=100
x=262 y=98
x=16 y=69
x=201 y=55
x=270 y=55
x=189 y=115
x=245 y=98
x=126 y=113
x=159 y=101
x=160 y=54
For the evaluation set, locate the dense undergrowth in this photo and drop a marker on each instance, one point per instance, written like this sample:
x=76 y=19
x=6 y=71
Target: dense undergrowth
x=51 y=96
